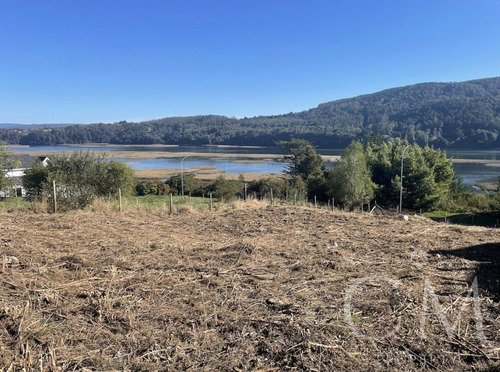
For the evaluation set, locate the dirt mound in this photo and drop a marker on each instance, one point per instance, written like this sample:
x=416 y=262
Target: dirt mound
x=248 y=289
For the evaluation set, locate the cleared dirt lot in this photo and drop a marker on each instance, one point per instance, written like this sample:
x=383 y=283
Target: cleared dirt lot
x=250 y=288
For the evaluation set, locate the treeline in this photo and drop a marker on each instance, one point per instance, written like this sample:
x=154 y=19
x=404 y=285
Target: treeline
x=458 y=115
x=366 y=174
x=369 y=173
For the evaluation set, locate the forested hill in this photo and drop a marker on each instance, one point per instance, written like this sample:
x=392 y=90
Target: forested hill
x=465 y=114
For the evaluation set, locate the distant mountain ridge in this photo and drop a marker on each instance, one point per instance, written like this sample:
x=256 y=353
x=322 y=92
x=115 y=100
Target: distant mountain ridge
x=457 y=114
x=32 y=126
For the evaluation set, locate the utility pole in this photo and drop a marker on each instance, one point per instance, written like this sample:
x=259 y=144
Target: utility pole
x=401 y=186
x=182 y=177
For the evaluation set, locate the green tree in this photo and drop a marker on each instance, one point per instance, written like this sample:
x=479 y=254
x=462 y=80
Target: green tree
x=224 y=189
x=35 y=178
x=350 y=181
x=80 y=177
x=7 y=163
x=192 y=184
x=305 y=163
x=297 y=189
x=428 y=174
x=263 y=187
x=146 y=188
x=302 y=158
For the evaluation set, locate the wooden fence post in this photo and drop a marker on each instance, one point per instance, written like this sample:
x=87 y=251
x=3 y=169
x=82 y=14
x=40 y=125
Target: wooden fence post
x=54 y=195
x=315 y=202
x=171 y=205
x=245 y=191
x=272 y=199
x=120 y=199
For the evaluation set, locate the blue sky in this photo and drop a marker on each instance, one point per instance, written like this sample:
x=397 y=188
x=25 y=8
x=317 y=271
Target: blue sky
x=84 y=61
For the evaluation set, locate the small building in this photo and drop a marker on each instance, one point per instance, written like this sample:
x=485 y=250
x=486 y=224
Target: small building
x=17 y=189
x=17 y=174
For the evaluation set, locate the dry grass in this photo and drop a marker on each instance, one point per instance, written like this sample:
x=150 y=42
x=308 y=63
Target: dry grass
x=487 y=162
x=169 y=154
x=487 y=186
x=246 y=287
x=203 y=173
x=247 y=176
x=161 y=154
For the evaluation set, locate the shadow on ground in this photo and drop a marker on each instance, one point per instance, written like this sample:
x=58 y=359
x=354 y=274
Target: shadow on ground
x=487 y=257
x=477 y=219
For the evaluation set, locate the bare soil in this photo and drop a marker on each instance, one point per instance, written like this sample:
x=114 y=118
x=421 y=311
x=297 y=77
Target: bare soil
x=245 y=288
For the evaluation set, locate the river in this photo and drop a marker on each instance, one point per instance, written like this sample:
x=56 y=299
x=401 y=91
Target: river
x=237 y=159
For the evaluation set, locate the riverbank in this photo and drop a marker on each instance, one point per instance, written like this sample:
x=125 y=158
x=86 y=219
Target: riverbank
x=203 y=173
x=154 y=161
x=249 y=157
x=487 y=186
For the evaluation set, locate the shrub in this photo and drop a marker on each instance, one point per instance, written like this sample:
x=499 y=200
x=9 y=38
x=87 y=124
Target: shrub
x=263 y=187
x=80 y=178
x=146 y=188
x=224 y=189
x=191 y=184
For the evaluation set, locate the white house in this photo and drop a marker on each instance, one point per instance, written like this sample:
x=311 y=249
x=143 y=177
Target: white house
x=18 y=190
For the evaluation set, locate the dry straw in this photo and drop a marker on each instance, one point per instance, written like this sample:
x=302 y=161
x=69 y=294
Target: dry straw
x=244 y=287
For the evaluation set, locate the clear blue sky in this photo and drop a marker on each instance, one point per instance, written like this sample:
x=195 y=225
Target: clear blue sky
x=82 y=61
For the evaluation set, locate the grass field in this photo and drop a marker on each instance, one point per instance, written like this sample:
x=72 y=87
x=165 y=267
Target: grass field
x=246 y=287
x=476 y=219
x=163 y=202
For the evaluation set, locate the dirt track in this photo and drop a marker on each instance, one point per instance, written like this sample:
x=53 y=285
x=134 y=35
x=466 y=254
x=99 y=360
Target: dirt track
x=246 y=289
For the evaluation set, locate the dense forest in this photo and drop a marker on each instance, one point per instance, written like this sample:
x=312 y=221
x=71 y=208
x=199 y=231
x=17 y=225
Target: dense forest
x=459 y=115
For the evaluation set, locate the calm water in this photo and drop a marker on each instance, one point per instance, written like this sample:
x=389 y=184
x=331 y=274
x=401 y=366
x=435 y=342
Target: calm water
x=227 y=165
x=471 y=173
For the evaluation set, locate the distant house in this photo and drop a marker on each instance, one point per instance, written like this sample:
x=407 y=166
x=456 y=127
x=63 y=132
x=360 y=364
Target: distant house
x=44 y=160
x=17 y=189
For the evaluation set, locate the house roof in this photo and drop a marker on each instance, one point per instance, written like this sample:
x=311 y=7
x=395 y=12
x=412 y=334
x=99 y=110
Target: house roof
x=27 y=161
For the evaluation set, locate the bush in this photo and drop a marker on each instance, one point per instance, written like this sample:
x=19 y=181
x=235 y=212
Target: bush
x=262 y=188
x=6 y=164
x=470 y=202
x=191 y=184
x=152 y=188
x=350 y=182
x=80 y=178
x=163 y=188
x=146 y=188
x=224 y=189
